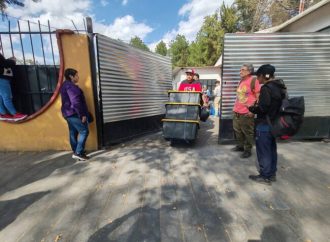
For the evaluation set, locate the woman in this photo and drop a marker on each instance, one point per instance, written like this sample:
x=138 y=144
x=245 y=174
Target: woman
x=74 y=110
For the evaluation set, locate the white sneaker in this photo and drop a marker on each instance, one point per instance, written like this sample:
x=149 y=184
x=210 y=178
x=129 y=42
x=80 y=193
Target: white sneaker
x=79 y=157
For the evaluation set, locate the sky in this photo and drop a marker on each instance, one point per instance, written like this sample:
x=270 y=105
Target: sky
x=151 y=20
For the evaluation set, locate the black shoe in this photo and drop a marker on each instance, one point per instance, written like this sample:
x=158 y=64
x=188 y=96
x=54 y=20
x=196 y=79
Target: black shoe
x=272 y=178
x=237 y=148
x=246 y=154
x=260 y=179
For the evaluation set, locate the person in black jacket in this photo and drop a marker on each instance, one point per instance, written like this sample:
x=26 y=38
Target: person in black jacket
x=7 y=109
x=270 y=100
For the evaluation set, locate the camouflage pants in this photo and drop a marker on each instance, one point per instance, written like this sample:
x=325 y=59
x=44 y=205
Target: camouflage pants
x=244 y=131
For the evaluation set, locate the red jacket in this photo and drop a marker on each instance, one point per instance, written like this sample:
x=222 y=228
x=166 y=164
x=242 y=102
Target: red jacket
x=193 y=86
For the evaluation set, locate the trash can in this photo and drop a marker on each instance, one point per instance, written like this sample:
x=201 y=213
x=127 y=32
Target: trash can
x=181 y=120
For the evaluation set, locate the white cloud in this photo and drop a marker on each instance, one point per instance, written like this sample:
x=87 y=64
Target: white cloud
x=53 y=8
x=194 y=13
x=124 y=2
x=124 y=28
x=152 y=46
x=63 y=13
x=104 y=3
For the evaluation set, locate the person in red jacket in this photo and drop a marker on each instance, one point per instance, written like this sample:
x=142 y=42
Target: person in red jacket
x=190 y=84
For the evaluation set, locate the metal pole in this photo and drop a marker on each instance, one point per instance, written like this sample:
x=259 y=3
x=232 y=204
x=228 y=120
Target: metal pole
x=96 y=87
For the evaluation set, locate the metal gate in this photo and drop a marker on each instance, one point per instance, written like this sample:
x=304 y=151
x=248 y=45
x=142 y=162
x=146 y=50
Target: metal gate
x=301 y=60
x=133 y=87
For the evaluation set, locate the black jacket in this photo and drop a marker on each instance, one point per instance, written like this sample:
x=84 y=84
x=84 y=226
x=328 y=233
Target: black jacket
x=270 y=100
x=6 y=66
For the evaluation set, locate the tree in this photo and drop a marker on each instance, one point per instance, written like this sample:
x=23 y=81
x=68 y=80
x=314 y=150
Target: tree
x=138 y=43
x=254 y=15
x=209 y=38
x=195 y=55
x=161 y=48
x=179 y=51
x=228 y=18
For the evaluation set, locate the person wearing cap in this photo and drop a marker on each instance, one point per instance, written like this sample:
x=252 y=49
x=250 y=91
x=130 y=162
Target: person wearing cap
x=243 y=121
x=190 y=84
x=270 y=100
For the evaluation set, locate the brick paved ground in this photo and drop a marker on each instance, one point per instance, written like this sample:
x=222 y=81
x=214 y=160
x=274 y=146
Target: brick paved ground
x=146 y=190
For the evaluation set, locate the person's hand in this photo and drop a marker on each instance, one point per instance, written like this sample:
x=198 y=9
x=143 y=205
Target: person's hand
x=252 y=109
x=250 y=114
x=83 y=119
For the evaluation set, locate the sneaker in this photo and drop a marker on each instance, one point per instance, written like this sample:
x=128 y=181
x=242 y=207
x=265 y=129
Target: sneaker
x=246 y=154
x=81 y=157
x=260 y=179
x=5 y=117
x=18 y=117
x=237 y=148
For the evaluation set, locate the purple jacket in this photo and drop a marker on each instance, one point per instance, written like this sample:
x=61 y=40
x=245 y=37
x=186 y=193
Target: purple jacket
x=73 y=100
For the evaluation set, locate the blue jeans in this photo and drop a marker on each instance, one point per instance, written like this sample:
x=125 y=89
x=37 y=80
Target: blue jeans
x=6 y=102
x=266 y=151
x=78 y=134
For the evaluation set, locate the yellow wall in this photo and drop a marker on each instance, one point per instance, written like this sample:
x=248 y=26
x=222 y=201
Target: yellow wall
x=49 y=130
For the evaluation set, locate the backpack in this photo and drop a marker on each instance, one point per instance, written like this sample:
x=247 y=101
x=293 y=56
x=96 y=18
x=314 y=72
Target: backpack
x=204 y=114
x=289 y=118
x=253 y=84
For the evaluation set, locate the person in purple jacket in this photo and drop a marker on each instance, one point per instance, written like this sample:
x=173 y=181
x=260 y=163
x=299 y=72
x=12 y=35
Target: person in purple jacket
x=74 y=110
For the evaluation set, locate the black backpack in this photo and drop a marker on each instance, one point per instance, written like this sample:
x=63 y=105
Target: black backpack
x=289 y=118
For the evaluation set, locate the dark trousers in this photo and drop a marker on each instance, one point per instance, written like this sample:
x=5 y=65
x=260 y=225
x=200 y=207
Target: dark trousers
x=243 y=126
x=266 y=151
x=78 y=134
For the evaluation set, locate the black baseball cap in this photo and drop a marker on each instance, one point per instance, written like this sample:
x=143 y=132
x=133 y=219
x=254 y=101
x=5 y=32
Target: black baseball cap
x=265 y=69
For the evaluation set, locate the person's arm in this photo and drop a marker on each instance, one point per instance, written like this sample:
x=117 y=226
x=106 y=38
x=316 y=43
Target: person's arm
x=8 y=63
x=257 y=89
x=264 y=102
x=75 y=99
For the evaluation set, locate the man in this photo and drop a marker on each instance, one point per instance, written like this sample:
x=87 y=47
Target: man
x=7 y=110
x=270 y=100
x=196 y=77
x=190 y=84
x=243 y=121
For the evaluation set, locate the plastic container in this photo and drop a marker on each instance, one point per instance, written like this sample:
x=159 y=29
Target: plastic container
x=177 y=130
x=184 y=97
x=182 y=112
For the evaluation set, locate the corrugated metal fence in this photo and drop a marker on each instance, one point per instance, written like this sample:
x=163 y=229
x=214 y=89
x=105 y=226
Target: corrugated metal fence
x=134 y=83
x=301 y=60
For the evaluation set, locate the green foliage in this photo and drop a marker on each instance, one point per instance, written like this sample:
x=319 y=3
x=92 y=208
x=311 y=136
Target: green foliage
x=207 y=47
x=179 y=51
x=138 y=43
x=246 y=10
x=228 y=19
x=195 y=55
x=161 y=48
x=209 y=40
x=254 y=15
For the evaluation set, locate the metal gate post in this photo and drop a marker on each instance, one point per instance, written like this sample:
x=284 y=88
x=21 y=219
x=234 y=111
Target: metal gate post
x=95 y=84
